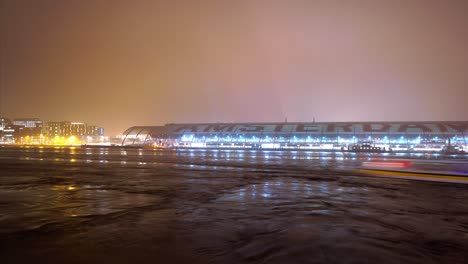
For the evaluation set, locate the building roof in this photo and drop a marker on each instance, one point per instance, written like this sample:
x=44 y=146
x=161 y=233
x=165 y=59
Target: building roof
x=453 y=127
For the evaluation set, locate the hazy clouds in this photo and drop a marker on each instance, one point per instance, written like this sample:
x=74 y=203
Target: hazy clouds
x=122 y=63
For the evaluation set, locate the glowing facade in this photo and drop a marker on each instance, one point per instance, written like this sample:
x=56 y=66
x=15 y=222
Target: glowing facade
x=6 y=131
x=27 y=127
x=4 y=123
x=395 y=136
x=67 y=129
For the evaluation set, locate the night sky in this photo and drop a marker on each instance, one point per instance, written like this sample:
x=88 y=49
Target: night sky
x=119 y=63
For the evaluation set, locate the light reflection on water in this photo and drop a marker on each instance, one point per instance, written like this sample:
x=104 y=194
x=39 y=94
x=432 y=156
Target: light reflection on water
x=152 y=158
x=280 y=192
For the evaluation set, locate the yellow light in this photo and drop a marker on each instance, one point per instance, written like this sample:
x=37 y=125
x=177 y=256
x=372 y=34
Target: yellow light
x=71 y=188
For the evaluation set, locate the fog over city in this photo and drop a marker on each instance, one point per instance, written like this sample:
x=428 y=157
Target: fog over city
x=123 y=63
x=233 y=131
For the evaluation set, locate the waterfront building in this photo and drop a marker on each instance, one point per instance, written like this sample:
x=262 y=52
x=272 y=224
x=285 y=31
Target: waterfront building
x=53 y=129
x=27 y=127
x=6 y=131
x=384 y=136
x=68 y=129
x=94 y=131
x=4 y=122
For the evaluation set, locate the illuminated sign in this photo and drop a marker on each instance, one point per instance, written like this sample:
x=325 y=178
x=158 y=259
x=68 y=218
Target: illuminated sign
x=406 y=127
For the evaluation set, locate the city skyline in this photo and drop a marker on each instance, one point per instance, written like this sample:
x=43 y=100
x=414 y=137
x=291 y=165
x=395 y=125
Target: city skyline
x=35 y=131
x=126 y=63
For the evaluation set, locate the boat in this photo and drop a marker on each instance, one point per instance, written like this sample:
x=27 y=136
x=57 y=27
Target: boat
x=366 y=147
x=455 y=171
x=450 y=149
x=155 y=146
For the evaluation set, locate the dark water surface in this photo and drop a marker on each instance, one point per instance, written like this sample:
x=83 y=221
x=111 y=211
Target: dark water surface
x=90 y=205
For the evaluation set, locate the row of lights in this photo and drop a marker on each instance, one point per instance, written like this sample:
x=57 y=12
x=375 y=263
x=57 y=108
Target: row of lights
x=385 y=139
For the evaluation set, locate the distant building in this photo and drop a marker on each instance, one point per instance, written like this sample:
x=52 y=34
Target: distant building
x=68 y=129
x=74 y=129
x=35 y=131
x=25 y=127
x=53 y=129
x=6 y=131
x=352 y=136
x=4 y=122
x=94 y=131
x=8 y=135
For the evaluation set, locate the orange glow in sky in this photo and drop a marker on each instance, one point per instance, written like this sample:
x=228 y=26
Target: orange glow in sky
x=123 y=63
